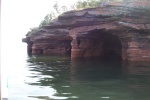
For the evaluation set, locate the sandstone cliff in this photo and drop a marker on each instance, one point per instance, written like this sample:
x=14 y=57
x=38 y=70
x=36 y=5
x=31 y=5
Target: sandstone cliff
x=120 y=31
x=48 y=42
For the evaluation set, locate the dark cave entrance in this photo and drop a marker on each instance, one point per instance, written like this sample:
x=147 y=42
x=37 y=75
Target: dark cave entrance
x=105 y=45
x=111 y=48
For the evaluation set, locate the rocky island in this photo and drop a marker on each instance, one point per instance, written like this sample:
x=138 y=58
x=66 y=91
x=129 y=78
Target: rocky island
x=114 y=31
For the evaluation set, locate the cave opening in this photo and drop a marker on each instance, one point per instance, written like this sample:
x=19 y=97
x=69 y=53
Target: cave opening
x=111 y=48
x=105 y=45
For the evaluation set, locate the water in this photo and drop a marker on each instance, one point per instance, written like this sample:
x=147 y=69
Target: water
x=54 y=78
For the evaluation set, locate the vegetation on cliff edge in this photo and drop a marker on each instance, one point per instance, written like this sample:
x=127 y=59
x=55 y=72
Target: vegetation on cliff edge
x=79 y=5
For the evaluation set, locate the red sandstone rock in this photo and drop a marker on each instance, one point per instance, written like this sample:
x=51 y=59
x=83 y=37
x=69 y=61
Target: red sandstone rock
x=49 y=42
x=109 y=32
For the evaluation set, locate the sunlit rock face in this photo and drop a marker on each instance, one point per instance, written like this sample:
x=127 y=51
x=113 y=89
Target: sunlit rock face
x=117 y=31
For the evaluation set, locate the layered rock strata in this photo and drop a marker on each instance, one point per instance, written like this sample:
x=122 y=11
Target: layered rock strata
x=120 y=32
x=48 y=42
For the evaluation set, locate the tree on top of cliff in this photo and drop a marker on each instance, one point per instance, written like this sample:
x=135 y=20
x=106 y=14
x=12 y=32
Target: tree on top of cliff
x=82 y=4
x=79 y=5
x=47 y=19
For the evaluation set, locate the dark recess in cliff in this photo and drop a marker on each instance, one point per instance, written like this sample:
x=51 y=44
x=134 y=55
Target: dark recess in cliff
x=115 y=31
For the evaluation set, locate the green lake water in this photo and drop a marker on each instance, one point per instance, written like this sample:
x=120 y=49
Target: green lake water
x=59 y=78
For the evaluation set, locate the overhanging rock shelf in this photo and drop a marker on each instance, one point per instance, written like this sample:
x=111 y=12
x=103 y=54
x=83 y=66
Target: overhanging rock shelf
x=111 y=32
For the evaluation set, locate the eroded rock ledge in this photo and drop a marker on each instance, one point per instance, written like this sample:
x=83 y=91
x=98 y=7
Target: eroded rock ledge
x=48 y=42
x=113 y=31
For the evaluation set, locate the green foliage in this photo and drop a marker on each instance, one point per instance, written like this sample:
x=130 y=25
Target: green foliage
x=47 y=19
x=81 y=4
x=87 y=4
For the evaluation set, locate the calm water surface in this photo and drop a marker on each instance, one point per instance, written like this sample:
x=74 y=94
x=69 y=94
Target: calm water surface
x=54 y=78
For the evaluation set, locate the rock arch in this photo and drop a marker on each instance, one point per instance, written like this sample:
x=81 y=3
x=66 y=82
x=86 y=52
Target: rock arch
x=125 y=28
x=96 y=43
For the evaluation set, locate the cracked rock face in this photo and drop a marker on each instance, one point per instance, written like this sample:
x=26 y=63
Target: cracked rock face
x=111 y=31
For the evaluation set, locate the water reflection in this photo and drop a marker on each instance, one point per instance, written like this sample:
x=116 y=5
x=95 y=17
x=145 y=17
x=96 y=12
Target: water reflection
x=90 y=79
x=138 y=75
